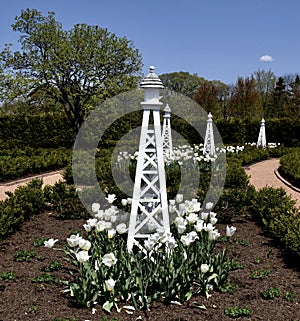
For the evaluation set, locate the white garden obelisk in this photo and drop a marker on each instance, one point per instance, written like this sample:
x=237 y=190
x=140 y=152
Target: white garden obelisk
x=167 y=132
x=261 y=141
x=209 y=141
x=149 y=210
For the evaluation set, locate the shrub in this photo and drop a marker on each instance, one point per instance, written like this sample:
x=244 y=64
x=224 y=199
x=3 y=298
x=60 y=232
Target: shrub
x=21 y=205
x=290 y=167
x=65 y=201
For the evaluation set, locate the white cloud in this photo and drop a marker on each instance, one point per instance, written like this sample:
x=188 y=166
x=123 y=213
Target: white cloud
x=266 y=58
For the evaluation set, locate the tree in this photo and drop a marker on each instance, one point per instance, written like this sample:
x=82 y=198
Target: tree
x=78 y=68
x=264 y=84
x=279 y=98
x=207 y=97
x=182 y=82
x=244 y=100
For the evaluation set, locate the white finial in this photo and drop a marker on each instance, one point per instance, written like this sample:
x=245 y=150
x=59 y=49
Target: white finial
x=151 y=68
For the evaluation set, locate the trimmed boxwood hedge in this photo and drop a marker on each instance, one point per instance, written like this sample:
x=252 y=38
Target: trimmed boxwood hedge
x=290 y=167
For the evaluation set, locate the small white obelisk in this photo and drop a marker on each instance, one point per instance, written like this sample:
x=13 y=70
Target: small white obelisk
x=261 y=141
x=209 y=141
x=167 y=132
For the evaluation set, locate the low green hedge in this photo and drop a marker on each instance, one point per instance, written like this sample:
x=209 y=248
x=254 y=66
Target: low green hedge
x=21 y=205
x=290 y=167
x=18 y=163
x=276 y=211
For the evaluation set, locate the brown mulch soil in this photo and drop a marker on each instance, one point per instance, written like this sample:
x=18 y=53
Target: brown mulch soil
x=21 y=299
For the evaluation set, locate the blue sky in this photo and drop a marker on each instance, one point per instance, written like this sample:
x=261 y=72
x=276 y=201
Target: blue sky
x=217 y=39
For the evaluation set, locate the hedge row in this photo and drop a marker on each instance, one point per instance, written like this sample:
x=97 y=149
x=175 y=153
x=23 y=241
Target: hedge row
x=21 y=205
x=17 y=163
x=46 y=130
x=53 y=130
x=290 y=167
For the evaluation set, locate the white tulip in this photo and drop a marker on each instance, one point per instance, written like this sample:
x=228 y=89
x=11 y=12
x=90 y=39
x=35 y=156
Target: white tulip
x=204 y=268
x=82 y=256
x=73 y=240
x=192 y=218
x=199 y=225
x=111 y=233
x=109 y=259
x=185 y=240
x=179 y=198
x=110 y=284
x=124 y=202
x=209 y=205
x=121 y=228
x=111 y=198
x=84 y=244
x=230 y=230
x=50 y=243
x=95 y=207
x=100 y=226
x=204 y=216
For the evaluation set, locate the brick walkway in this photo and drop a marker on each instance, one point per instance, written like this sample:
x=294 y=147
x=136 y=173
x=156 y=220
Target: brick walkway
x=48 y=179
x=264 y=174
x=261 y=174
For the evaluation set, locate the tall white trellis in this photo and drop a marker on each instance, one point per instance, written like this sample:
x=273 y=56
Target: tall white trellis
x=261 y=141
x=149 y=210
x=209 y=140
x=167 y=132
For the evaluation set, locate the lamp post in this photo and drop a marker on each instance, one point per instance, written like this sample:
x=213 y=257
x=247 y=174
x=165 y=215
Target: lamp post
x=149 y=210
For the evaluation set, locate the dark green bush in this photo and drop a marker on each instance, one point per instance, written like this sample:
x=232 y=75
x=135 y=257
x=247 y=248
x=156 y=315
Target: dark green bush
x=18 y=163
x=21 y=205
x=65 y=201
x=290 y=167
x=46 y=130
x=277 y=212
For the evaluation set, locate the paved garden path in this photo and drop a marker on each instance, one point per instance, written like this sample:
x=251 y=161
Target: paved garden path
x=48 y=179
x=265 y=174
x=261 y=174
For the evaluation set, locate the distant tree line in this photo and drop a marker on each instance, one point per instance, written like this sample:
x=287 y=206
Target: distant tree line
x=260 y=95
x=75 y=70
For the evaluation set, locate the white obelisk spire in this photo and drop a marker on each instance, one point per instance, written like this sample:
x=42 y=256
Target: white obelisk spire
x=149 y=203
x=261 y=141
x=167 y=132
x=209 y=141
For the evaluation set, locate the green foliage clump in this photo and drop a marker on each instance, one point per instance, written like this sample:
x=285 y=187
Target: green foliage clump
x=290 y=167
x=17 y=163
x=237 y=312
x=7 y=276
x=65 y=201
x=280 y=218
x=21 y=205
x=271 y=293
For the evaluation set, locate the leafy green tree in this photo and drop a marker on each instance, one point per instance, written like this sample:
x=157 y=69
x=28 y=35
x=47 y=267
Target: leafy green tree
x=78 y=68
x=280 y=99
x=294 y=102
x=244 y=100
x=182 y=82
x=207 y=97
x=264 y=84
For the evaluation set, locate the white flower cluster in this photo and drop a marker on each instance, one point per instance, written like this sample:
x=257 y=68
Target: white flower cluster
x=106 y=219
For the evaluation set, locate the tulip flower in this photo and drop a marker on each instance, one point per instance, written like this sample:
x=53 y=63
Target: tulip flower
x=230 y=230
x=204 y=268
x=110 y=284
x=109 y=259
x=82 y=256
x=50 y=243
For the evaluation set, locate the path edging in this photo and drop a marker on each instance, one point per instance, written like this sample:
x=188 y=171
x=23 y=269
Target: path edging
x=284 y=181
